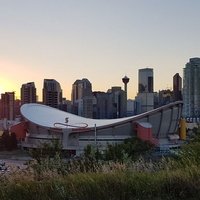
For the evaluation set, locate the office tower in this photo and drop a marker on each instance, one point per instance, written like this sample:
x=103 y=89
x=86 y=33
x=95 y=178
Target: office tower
x=165 y=97
x=191 y=88
x=66 y=105
x=8 y=106
x=145 y=83
x=52 y=93
x=17 y=105
x=82 y=98
x=117 y=103
x=100 y=105
x=145 y=96
x=28 y=93
x=177 y=87
x=130 y=107
x=80 y=89
x=110 y=104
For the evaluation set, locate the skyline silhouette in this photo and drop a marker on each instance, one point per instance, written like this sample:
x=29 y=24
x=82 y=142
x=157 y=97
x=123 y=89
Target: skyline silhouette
x=100 y=40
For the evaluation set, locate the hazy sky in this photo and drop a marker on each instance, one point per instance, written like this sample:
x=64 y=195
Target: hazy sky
x=101 y=40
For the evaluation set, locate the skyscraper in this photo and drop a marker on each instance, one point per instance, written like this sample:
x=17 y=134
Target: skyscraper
x=80 y=89
x=191 y=88
x=145 y=96
x=100 y=105
x=117 y=103
x=82 y=98
x=7 y=109
x=28 y=93
x=52 y=93
x=145 y=83
x=177 y=87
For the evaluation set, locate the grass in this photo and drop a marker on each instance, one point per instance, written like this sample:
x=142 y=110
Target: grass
x=111 y=181
x=89 y=179
x=179 y=184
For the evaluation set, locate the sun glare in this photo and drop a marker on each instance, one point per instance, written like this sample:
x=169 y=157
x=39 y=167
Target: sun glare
x=6 y=86
x=2 y=88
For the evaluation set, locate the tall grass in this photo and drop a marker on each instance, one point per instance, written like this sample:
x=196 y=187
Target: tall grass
x=178 y=184
x=90 y=179
x=109 y=180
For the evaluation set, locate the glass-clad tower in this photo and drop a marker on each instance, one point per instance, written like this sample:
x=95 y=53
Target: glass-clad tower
x=191 y=88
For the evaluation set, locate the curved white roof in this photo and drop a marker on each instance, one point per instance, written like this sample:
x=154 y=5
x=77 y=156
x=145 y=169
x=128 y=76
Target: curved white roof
x=53 y=118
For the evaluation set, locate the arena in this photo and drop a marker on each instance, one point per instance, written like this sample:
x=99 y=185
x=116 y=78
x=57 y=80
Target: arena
x=43 y=124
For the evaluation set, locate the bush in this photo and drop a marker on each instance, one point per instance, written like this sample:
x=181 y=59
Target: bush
x=132 y=149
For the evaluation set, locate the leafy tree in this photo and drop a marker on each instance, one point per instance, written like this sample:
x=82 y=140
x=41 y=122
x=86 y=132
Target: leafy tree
x=131 y=148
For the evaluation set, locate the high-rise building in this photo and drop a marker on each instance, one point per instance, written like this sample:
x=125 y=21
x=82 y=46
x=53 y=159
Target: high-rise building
x=100 y=105
x=145 y=96
x=191 y=88
x=110 y=104
x=80 y=89
x=177 y=87
x=130 y=107
x=117 y=106
x=28 y=93
x=145 y=83
x=82 y=98
x=7 y=109
x=164 y=97
x=52 y=93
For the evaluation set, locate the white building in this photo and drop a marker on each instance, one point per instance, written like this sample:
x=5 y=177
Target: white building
x=44 y=124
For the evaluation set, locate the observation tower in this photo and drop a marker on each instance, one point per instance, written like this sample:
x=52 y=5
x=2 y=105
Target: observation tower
x=125 y=80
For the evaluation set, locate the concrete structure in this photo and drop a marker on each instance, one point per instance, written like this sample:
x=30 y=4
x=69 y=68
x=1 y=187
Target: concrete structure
x=145 y=96
x=7 y=106
x=191 y=89
x=52 y=93
x=125 y=80
x=75 y=133
x=177 y=87
x=28 y=93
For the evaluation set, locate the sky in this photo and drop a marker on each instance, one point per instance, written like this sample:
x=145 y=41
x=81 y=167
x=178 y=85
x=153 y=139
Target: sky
x=101 y=40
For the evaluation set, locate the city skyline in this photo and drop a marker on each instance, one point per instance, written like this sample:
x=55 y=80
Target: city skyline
x=102 y=41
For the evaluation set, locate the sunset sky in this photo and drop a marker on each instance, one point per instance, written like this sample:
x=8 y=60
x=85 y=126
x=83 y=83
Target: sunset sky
x=102 y=40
